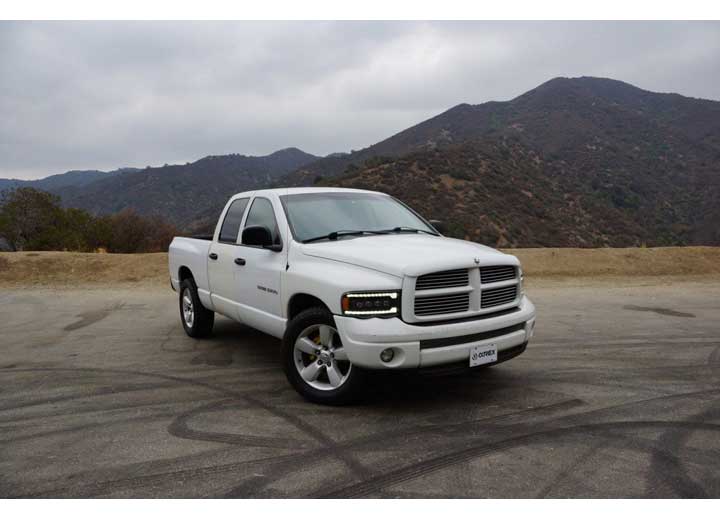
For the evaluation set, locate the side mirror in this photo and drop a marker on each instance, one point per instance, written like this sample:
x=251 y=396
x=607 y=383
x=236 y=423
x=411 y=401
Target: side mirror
x=439 y=225
x=259 y=236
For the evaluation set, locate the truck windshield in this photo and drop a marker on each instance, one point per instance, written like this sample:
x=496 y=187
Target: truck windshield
x=331 y=215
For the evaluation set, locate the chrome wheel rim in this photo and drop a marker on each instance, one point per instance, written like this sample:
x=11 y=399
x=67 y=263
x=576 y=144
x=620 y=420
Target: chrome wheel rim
x=188 y=310
x=320 y=358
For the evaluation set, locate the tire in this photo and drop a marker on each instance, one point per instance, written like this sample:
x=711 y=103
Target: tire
x=327 y=379
x=196 y=319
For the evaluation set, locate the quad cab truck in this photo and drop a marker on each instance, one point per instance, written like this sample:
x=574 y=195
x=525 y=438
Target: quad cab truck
x=351 y=281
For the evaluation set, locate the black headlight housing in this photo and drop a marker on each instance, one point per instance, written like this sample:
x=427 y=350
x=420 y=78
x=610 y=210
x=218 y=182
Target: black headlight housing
x=371 y=304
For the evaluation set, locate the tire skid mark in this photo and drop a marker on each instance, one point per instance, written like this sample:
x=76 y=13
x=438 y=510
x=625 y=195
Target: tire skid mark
x=434 y=464
x=106 y=390
x=569 y=470
x=254 y=488
x=340 y=450
x=672 y=473
x=124 y=472
x=659 y=310
x=330 y=446
x=84 y=490
x=179 y=428
x=88 y=426
x=369 y=440
x=16 y=422
x=87 y=319
x=604 y=410
x=714 y=358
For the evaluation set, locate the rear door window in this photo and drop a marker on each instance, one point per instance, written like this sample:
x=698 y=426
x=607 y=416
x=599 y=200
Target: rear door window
x=231 y=225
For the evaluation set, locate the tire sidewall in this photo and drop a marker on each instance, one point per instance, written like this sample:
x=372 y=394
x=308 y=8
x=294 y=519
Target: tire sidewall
x=347 y=393
x=197 y=328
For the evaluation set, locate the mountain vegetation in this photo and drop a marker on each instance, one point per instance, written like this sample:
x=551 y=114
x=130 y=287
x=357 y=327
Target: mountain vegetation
x=576 y=162
x=34 y=220
x=73 y=178
x=583 y=162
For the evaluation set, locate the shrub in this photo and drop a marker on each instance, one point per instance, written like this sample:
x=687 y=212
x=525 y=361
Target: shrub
x=34 y=220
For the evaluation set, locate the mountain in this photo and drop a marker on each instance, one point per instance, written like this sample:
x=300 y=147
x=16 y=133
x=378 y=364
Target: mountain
x=184 y=194
x=549 y=116
x=73 y=178
x=585 y=162
x=573 y=162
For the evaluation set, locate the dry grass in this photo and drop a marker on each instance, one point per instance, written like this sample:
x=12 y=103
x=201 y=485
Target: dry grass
x=59 y=269
x=632 y=261
x=63 y=269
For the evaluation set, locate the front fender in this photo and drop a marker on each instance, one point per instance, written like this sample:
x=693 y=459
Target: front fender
x=328 y=280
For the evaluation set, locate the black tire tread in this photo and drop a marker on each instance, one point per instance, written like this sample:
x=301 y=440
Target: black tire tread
x=347 y=393
x=204 y=318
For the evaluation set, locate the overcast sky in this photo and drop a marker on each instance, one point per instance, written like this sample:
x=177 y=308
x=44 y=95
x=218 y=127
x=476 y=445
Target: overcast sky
x=101 y=95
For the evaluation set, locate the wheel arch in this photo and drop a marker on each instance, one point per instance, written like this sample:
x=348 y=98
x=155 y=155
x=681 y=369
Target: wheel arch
x=299 y=302
x=184 y=273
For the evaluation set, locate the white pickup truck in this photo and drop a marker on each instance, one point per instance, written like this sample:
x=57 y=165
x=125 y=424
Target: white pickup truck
x=351 y=280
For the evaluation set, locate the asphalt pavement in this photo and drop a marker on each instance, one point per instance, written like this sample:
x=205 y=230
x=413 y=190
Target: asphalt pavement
x=103 y=395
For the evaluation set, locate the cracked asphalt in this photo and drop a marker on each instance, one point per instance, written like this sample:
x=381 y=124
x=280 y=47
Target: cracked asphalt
x=103 y=395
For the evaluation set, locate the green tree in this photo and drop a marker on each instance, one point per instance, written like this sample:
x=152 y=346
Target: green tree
x=34 y=220
x=30 y=219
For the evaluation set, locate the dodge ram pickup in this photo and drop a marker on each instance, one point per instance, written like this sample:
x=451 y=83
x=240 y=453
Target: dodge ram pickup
x=351 y=281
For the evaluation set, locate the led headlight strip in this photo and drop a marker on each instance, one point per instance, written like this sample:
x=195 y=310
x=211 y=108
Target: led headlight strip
x=349 y=300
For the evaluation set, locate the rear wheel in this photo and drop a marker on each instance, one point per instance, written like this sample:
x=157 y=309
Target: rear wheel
x=196 y=319
x=315 y=361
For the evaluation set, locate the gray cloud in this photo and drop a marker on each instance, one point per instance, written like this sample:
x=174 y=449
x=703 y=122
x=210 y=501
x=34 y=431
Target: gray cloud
x=82 y=95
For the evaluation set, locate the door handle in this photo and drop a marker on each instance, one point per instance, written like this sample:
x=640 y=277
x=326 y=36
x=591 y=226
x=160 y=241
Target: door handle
x=213 y=256
x=240 y=261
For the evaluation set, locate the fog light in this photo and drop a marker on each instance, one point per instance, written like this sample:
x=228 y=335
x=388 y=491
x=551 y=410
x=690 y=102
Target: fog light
x=387 y=355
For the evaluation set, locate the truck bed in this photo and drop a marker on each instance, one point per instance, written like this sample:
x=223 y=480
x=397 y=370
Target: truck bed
x=191 y=252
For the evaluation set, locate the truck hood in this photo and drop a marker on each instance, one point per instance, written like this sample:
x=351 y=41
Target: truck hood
x=408 y=255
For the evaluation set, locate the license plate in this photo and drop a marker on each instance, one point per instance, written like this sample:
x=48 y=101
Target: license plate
x=483 y=354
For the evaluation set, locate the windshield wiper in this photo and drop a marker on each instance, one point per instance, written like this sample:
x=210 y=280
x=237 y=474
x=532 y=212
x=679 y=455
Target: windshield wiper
x=342 y=233
x=407 y=229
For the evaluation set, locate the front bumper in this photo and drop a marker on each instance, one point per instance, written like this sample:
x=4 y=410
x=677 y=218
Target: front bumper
x=419 y=346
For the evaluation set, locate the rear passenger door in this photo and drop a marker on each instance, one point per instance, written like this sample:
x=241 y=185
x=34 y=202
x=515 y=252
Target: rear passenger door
x=221 y=260
x=261 y=274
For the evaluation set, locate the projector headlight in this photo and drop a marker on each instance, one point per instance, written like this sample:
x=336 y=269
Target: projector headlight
x=375 y=304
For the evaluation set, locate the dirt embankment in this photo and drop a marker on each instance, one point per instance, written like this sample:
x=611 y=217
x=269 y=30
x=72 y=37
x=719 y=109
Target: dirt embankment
x=631 y=261
x=60 y=269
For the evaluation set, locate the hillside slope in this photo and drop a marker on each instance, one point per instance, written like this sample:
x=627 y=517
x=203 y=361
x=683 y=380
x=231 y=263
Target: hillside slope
x=506 y=194
x=184 y=193
x=565 y=118
x=575 y=162
x=53 y=183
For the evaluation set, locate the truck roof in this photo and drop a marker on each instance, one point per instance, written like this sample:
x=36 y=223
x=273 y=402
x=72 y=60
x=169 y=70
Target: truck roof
x=293 y=191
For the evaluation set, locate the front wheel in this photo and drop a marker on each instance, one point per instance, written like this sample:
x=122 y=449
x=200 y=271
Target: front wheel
x=315 y=361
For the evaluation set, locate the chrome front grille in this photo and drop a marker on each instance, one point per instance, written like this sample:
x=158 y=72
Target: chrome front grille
x=496 y=273
x=441 y=304
x=460 y=293
x=443 y=279
x=497 y=296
